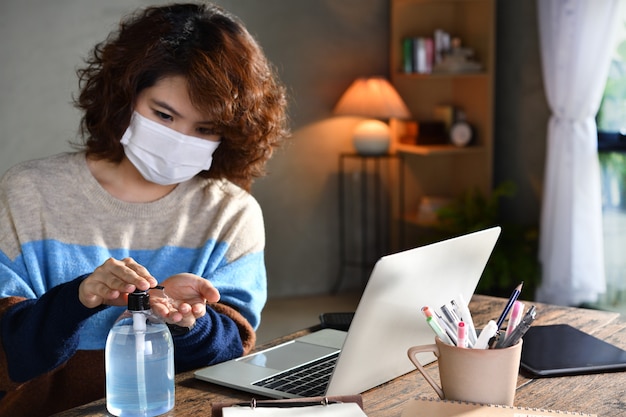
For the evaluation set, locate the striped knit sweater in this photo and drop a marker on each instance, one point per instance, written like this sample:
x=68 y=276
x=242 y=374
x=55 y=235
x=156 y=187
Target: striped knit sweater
x=57 y=224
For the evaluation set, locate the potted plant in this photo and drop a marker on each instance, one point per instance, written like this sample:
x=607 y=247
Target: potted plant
x=514 y=258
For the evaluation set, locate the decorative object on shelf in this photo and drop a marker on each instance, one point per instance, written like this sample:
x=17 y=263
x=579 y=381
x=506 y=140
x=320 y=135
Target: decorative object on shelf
x=457 y=60
x=438 y=53
x=445 y=113
x=461 y=132
x=376 y=99
x=407 y=132
x=431 y=132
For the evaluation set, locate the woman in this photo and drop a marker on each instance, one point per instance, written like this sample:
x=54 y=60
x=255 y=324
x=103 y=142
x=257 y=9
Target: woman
x=181 y=111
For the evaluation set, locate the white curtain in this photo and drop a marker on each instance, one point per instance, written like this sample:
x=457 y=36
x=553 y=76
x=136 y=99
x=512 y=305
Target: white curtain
x=576 y=38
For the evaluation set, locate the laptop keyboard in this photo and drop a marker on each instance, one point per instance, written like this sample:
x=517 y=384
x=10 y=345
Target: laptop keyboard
x=308 y=380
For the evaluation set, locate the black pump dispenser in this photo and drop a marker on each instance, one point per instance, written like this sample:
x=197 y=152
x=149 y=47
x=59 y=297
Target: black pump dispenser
x=138 y=300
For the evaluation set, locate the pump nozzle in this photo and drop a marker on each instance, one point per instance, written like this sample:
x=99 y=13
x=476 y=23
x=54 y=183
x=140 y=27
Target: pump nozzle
x=139 y=300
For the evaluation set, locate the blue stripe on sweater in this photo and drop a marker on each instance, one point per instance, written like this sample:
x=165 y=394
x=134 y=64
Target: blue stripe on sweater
x=46 y=264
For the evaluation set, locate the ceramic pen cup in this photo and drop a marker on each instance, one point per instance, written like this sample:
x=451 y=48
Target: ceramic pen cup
x=486 y=376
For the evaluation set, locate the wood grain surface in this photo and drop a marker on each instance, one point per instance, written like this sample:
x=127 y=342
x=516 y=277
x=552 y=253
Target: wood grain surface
x=601 y=394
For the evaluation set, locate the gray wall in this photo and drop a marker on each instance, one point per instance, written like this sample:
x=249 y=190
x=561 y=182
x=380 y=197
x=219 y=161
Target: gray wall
x=318 y=47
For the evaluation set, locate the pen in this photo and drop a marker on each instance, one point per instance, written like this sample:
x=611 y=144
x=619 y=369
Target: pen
x=466 y=316
x=509 y=304
x=521 y=329
x=516 y=317
x=485 y=335
x=461 y=335
x=450 y=329
x=450 y=315
x=434 y=324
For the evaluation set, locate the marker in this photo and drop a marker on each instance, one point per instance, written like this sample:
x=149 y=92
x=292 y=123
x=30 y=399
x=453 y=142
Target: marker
x=466 y=316
x=434 y=324
x=429 y=313
x=521 y=329
x=487 y=333
x=461 y=335
x=516 y=317
x=438 y=330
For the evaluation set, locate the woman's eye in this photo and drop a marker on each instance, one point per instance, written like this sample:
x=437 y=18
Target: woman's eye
x=205 y=131
x=163 y=116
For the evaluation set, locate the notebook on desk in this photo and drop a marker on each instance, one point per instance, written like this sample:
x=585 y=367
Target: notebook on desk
x=386 y=323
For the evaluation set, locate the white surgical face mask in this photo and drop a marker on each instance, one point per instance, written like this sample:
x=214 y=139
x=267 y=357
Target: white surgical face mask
x=163 y=155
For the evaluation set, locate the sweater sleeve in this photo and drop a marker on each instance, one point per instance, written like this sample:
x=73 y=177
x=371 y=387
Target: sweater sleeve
x=220 y=335
x=40 y=334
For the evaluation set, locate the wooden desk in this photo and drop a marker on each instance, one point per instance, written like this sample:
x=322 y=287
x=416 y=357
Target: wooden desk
x=601 y=394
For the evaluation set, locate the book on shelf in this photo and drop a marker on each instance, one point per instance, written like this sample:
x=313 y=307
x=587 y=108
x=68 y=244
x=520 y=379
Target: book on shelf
x=438 y=53
x=420 y=54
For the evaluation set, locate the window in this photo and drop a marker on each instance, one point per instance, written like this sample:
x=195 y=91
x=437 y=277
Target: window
x=611 y=121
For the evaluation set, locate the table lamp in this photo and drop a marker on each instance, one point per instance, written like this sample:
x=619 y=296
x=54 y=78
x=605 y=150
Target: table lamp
x=376 y=99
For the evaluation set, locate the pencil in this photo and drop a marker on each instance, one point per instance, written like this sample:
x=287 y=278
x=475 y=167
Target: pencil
x=509 y=304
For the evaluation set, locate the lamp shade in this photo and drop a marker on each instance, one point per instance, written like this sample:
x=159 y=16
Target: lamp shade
x=372 y=97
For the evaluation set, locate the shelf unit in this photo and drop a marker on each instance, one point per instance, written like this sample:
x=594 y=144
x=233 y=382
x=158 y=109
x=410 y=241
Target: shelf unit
x=446 y=170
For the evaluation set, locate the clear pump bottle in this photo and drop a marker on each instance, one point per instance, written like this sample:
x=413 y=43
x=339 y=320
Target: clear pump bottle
x=139 y=362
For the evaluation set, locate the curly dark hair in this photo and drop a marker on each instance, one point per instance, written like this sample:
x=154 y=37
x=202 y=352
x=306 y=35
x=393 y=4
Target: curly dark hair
x=227 y=73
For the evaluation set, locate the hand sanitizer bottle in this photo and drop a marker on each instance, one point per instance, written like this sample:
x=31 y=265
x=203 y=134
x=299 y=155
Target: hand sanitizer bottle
x=139 y=362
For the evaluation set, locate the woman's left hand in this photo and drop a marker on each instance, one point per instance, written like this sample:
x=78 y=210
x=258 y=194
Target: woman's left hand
x=186 y=298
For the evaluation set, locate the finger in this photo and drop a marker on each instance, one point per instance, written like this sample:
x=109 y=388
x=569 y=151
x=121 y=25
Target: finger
x=208 y=291
x=145 y=279
x=198 y=310
x=114 y=275
x=135 y=274
x=175 y=317
x=88 y=298
x=94 y=290
x=108 y=274
x=184 y=309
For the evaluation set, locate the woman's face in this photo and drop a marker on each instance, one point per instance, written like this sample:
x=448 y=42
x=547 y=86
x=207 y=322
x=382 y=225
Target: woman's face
x=167 y=102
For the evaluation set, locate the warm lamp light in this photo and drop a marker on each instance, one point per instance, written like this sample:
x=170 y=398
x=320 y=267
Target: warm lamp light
x=376 y=99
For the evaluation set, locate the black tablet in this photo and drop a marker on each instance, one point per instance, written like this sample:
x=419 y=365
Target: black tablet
x=560 y=350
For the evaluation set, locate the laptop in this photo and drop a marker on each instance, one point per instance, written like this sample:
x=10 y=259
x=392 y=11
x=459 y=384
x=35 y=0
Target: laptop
x=387 y=321
x=562 y=350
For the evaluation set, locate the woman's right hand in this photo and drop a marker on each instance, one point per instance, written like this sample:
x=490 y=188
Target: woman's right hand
x=112 y=281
